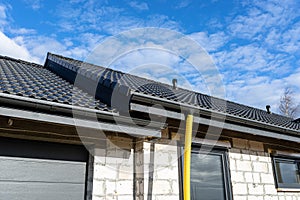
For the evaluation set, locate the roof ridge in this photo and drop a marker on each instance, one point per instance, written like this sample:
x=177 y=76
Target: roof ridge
x=180 y=88
x=67 y=58
x=125 y=73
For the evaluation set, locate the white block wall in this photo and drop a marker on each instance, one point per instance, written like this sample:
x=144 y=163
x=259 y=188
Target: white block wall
x=113 y=177
x=250 y=168
x=165 y=177
x=252 y=173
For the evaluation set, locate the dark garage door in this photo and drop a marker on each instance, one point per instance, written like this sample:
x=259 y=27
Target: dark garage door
x=34 y=171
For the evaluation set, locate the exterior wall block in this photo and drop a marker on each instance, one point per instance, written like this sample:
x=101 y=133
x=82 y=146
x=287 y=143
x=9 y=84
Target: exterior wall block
x=113 y=177
x=252 y=173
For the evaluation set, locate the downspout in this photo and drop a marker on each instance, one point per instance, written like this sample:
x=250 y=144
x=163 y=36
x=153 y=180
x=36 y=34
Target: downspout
x=187 y=158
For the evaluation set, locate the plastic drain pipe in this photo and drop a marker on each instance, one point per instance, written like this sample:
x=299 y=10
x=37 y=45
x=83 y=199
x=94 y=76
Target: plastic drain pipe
x=187 y=158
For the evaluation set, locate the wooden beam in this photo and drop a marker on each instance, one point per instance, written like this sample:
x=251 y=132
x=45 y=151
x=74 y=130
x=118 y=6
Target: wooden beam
x=151 y=171
x=138 y=170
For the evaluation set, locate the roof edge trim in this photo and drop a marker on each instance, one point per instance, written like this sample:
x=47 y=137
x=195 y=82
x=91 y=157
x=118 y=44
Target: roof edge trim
x=233 y=118
x=30 y=115
x=54 y=104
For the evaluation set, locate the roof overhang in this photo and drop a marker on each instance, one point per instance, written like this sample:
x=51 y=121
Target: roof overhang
x=45 y=111
x=82 y=123
x=228 y=122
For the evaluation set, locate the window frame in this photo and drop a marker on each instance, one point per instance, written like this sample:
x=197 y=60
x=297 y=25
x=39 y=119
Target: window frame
x=220 y=151
x=286 y=159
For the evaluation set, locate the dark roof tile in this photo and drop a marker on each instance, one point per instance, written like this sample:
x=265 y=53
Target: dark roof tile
x=34 y=81
x=164 y=91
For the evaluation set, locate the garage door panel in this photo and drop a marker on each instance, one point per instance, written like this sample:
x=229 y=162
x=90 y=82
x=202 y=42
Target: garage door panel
x=38 y=191
x=34 y=170
x=24 y=169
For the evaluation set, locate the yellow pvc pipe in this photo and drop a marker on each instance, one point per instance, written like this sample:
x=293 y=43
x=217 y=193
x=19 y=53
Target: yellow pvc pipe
x=187 y=158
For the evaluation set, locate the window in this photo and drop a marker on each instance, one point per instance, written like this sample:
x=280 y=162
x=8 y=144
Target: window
x=287 y=174
x=209 y=175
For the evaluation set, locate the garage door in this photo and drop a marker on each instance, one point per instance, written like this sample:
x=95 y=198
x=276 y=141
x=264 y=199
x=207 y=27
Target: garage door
x=34 y=171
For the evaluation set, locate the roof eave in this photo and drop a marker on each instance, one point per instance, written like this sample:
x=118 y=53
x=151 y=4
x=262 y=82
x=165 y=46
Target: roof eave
x=48 y=105
x=82 y=123
x=85 y=117
x=210 y=113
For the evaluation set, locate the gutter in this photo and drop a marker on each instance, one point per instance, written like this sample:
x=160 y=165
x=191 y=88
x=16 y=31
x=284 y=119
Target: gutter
x=124 y=123
x=215 y=116
x=30 y=115
x=48 y=105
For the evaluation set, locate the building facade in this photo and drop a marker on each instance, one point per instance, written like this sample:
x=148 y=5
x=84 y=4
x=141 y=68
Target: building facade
x=73 y=130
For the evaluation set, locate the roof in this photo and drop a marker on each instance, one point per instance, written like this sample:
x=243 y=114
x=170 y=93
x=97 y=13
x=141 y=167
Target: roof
x=110 y=78
x=21 y=78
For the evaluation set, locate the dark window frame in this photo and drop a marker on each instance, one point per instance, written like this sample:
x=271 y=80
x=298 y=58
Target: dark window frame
x=285 y=159
x=220 y=151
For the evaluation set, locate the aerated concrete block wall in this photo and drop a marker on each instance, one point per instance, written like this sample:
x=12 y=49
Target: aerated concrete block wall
x=165 y=176
x=252 y=173
x=113 y=177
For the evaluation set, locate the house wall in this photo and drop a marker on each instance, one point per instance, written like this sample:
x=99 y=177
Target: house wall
x=250 y=168
x=113 y=177
x=165 y=176
x=252 y=173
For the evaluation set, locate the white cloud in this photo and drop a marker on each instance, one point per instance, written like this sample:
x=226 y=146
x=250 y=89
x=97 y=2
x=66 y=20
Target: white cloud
x=246 y=58
x=210 y=42
x=9 y=47
x=34 y=48
x=260 y=57
x=90 y=15
x=250 y=25
x=34 y=4
x=263 y=15
x=3 y=15
x=257 y=91
x=2 y=12
x=291 y=39
x=139 y=5
x=253 y=76
x=160 y=48
x=294 y=81
x=272 y=37
x=38 y=46
x=21 y=31
x=89 y=41
x=183 y=4
x=160 y=21
x=103 y=18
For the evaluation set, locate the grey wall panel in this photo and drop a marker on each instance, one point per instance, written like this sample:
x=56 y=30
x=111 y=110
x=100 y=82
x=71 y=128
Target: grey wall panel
x=40 y=191
x=27 y=179
x=24 y=169
x=46 y=150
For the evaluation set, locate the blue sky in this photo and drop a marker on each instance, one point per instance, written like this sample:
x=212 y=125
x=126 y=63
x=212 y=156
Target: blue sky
x=254 y=44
